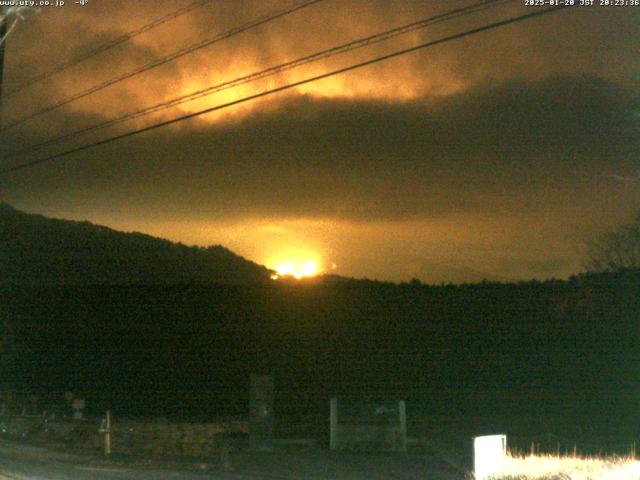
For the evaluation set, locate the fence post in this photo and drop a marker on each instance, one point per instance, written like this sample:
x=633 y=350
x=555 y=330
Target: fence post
x=401 y=444
x=106 y=429
x=333 y=421
x=107 y=437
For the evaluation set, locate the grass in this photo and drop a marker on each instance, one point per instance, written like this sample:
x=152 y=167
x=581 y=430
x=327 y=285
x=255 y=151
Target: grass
x=554 y=467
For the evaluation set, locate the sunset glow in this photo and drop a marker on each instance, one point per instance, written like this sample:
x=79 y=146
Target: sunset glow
x=298 y=270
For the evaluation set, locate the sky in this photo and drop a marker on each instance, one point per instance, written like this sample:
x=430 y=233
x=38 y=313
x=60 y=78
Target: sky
x=496 y=156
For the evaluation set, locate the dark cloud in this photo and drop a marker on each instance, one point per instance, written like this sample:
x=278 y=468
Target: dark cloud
x=520 y=146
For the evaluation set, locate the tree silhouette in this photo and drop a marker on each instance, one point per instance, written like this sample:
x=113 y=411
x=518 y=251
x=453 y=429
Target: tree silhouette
x=616 y=250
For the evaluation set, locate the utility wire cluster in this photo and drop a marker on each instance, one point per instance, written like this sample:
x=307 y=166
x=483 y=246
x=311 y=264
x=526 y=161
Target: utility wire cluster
x=449 y=15
x=107 y=46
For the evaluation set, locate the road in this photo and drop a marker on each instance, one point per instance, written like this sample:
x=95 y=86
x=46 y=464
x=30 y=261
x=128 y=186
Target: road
x=26 y=462
x=22 y=470
x=23 y=462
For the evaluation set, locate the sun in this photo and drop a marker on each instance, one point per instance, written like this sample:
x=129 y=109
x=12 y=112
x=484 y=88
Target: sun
x=296 y=269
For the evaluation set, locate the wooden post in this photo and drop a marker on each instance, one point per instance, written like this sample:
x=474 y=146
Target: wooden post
x=402 y=413
x=107 y=434
x=333 y=420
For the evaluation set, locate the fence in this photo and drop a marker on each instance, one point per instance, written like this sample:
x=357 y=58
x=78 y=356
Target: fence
x=376 y=427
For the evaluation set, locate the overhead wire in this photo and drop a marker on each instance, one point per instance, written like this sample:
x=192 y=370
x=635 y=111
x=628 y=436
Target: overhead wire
x=164 y=60
x=289 y=86
x=107 y=46
x=8 y=30
x=346 y=47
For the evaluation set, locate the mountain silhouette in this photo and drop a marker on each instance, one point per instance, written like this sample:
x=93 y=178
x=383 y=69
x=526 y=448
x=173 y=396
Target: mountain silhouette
x=38 y=250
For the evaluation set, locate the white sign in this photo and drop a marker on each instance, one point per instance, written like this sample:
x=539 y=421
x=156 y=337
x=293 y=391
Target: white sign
x=489 y=455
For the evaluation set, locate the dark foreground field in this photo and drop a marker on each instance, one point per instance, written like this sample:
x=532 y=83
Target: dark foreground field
x=553 y=365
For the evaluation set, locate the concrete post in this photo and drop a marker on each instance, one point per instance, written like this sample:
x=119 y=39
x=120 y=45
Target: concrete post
x=261 y=412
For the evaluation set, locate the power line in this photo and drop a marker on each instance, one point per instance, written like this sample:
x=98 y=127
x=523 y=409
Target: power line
x=5 y=31
x=107 y=46
x=367 y=41
x=289 y=86
x=156 y=63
